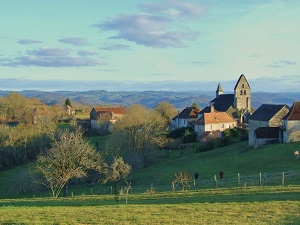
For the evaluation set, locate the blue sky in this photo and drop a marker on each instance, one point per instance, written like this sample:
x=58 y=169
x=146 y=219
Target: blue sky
x=149 y=45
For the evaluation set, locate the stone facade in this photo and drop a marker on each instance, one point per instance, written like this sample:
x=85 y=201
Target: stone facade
x=291 y=124
x=291 y=131
x=266 y=116
x=242 y=94
x=253 y=125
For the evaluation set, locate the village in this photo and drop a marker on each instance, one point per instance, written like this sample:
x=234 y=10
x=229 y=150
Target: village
x=269 y=123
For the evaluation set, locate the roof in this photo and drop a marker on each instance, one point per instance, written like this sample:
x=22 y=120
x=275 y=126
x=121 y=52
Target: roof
x=115 y=110
x=207 y=109
x=188 y=112
x=239 y=80
x=68 y=107
x=294 y=113
x=266 y=112
x=208 y=135
x=219 y=89
x=267 y=132
x=215 y=117
x=223 y=102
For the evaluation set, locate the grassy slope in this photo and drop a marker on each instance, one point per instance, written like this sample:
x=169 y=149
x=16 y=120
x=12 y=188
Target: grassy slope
x=233 y=159
x=238 y=158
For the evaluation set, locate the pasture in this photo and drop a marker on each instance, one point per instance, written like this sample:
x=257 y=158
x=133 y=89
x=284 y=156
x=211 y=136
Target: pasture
x=255 y=205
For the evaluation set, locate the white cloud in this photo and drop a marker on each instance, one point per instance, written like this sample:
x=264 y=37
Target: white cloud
x=147 y=30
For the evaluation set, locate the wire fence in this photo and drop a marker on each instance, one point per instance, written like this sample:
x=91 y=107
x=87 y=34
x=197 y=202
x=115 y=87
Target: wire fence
x=262 y=179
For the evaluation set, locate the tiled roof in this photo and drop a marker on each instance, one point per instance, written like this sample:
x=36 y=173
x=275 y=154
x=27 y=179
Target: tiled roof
x=68 y=107
x=215 y=117
x=115 y=110
x=267 y=132
x=188 y=112
x=294 y=113
x=208 y=135
x=266 y=112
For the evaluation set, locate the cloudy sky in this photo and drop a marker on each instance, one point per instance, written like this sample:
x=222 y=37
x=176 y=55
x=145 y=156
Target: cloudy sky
x=149 y=45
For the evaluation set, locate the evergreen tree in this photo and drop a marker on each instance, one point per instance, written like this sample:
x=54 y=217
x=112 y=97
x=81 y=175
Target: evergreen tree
x=68 y=102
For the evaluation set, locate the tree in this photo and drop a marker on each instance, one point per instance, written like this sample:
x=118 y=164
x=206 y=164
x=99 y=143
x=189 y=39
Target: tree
x=68 y=102
x=18 y=108
x=118 y=170
x=140 y=128
x=70 y=157
x=167 y=110
x=184 y=179
x=195 y=104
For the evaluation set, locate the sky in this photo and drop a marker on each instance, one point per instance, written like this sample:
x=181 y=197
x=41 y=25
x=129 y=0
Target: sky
x=138 y=45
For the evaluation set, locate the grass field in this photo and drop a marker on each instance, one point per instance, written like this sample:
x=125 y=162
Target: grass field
x=239 y=205
x=233 y=159
x=271 y=205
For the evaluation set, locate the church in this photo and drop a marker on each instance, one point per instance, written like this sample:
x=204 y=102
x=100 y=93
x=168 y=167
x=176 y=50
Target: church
x=237 y=105
x=225 y=111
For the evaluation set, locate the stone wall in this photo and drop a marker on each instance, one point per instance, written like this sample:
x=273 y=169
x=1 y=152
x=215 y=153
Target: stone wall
x=292 y=131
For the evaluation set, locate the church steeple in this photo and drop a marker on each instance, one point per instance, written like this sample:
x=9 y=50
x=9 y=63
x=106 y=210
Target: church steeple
x=242 y=94
x=219 y=91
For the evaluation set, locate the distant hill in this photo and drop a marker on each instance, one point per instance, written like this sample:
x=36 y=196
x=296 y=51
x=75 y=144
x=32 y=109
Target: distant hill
x=150 y=98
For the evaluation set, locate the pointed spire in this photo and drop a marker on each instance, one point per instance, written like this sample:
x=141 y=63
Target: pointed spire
x=219 y=91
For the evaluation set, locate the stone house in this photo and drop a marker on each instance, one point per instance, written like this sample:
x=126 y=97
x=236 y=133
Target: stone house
x=213 y=124
x=267 y=115
x=185 y=118
x=69 y=111
x=103 y=118
x=291 y=124
x=267 y=135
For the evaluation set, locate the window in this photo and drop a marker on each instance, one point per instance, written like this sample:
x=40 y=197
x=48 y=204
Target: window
x=244 y=92
x=243 y=85
x=241 y=92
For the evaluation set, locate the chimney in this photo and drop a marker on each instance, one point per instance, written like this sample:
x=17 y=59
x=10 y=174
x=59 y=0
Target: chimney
x=212 y=108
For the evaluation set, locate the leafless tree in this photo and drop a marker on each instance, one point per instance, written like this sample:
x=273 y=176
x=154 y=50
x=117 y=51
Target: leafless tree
x=70 y=157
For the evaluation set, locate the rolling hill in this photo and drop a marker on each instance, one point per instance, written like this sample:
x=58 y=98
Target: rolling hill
x=150 y=98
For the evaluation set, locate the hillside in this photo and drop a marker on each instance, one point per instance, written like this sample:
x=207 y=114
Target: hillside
x=233 y=159
x=151 y=98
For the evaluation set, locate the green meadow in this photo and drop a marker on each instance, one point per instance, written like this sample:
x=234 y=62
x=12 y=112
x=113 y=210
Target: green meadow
x=255 y=205
x=247 y=203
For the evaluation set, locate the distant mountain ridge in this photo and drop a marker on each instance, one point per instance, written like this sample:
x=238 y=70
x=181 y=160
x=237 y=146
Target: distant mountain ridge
x=150 y=98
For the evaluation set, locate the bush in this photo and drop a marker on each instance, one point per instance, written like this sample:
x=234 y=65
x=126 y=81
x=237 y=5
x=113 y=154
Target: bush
x=187 y=134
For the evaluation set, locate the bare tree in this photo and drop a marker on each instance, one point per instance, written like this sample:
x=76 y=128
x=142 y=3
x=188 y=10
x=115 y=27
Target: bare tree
x=184 y=179
x=70 y=157
x=141 y=127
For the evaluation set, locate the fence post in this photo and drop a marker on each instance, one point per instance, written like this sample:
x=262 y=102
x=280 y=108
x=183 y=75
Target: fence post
x=265 y=178
x=239 y=179
x=216 y=181
x=173 y=186
x=282 y=179
x=259 y=179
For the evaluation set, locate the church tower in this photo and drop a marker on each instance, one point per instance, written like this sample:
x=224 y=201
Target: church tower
x=242 y=94
x=219 y=91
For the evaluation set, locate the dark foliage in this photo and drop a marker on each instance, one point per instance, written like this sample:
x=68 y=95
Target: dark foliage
x=187 y=134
